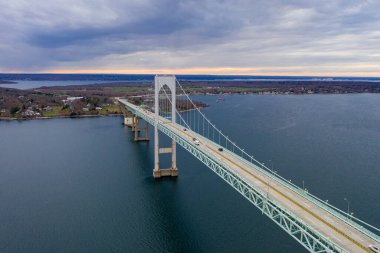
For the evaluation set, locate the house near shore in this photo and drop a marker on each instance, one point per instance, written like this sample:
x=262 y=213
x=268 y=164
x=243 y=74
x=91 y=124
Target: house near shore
x=30 y=113
x=48 y=109
x=71 y=99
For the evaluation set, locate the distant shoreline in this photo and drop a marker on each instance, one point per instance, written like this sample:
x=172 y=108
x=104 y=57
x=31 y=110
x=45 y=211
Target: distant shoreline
x=94 y=100
x=121 y=114
x=58 y=117
x=7 y=82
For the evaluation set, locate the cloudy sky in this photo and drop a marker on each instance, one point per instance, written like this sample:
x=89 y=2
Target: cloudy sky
x=254 y=37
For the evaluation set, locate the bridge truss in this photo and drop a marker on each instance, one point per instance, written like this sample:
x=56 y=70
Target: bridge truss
x=196 y=121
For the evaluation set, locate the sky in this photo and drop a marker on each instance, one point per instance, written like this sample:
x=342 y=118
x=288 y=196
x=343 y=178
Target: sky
x=240 y=37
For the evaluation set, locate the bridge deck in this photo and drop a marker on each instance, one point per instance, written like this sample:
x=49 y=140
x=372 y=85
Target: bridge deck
x=338 y=231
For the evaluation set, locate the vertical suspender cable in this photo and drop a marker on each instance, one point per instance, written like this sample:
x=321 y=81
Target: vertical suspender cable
x=198 y=122
x=203 y=126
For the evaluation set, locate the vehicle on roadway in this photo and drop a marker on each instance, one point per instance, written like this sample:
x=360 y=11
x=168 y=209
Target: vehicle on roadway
x=220 y=149
x=184 y=129
x=374 y=248
x=196 y=142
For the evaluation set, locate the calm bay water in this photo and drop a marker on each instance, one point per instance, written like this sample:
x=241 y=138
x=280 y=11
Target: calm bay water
x=83 y=185
x=31 y=81
x=24 y=85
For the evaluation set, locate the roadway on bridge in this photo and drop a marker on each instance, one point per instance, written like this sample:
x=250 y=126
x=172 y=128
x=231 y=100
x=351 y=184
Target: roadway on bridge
x=341 y=233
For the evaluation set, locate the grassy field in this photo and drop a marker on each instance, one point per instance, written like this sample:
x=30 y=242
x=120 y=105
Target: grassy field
x=111 y=109
x=57 y=111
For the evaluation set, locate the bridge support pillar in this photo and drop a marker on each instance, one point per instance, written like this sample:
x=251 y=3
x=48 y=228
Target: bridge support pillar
x=128 y=121
x=134 y=122
x=128 y=116
x=159 y=82
x=169 y=172
x=138 y=129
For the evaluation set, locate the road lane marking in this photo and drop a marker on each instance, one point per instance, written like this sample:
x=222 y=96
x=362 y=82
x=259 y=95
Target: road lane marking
x=265 y=183
x=291 y=200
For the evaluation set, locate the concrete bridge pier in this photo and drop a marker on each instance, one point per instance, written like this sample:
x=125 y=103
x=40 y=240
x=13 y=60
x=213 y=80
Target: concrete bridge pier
x=133 y=121
x=157 y=171
x=140 y=129
x=128 y=116
x=128 y=121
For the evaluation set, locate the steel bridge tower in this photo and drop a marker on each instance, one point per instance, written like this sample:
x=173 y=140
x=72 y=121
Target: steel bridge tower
x=162 y=82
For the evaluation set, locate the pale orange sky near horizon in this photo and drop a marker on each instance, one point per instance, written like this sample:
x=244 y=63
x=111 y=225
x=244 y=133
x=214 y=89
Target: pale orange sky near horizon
x=204 y=71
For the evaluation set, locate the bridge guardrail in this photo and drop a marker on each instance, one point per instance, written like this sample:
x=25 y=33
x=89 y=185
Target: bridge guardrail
x=315 y=200
x=303 y=226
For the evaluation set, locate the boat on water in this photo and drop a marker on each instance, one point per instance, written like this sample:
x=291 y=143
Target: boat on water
x=220 y=98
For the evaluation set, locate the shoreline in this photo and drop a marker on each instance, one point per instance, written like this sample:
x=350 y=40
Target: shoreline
x=189 y=110
x=282 y=93
x=59 y=117
x=73 y=117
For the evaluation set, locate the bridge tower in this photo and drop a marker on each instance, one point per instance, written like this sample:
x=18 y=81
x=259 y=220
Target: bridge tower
x=161 y=82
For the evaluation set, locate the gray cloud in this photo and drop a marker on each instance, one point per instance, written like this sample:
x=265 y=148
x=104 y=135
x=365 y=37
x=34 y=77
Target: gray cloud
x=261 y=36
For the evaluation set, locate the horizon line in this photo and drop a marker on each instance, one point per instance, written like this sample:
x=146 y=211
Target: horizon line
x=363 y=71
x=189 y=74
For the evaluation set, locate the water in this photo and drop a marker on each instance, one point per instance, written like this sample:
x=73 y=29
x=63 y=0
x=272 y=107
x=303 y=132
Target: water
x=30 y=81
x=83 y=185
x=31 y=84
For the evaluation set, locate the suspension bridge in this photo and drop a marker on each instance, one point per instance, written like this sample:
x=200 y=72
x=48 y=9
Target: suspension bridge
x=315 y=224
